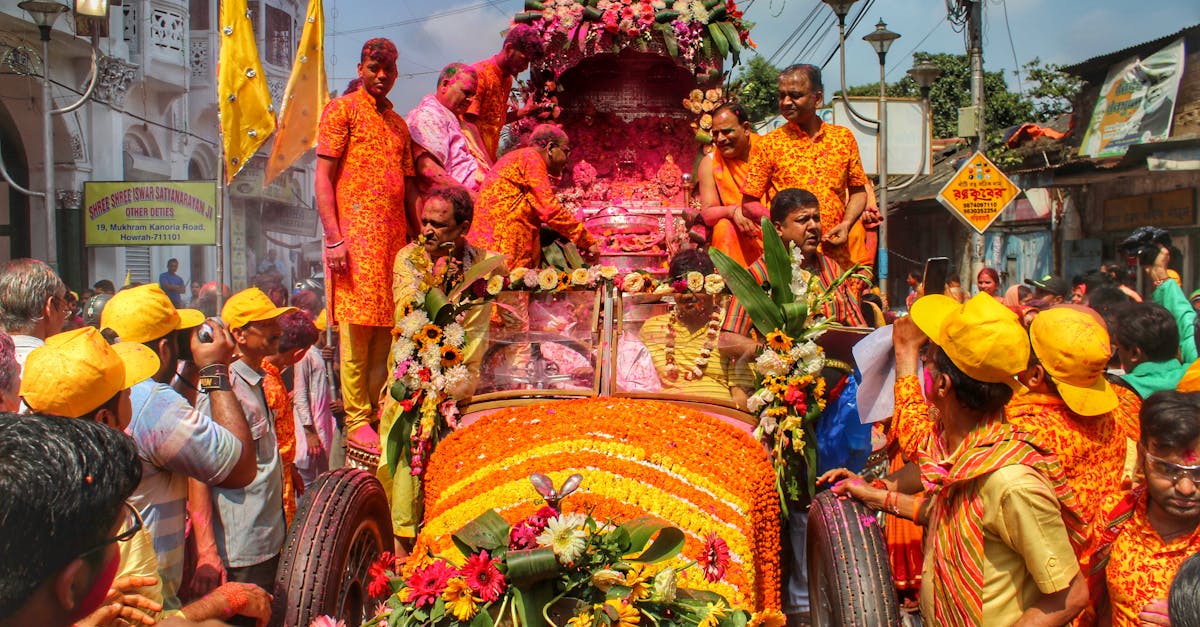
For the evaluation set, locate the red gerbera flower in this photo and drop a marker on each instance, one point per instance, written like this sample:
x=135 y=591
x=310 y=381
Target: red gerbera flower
x=427 y=584
x=714 y=559
x=522 y=536
x=378 y=585
x=544 y=514
x=483 y=577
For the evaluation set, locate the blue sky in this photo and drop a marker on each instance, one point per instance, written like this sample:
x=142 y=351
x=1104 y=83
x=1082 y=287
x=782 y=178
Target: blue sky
x=1057 y=31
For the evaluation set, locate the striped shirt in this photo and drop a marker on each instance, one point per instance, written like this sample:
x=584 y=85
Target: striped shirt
x=843 y=308
x=175 y=442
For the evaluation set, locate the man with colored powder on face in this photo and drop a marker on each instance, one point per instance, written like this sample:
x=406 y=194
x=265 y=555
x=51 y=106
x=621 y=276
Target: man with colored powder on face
x=809 y=154
x=490 y=110
x=366 y=197
x=720 y=177
x=435 y=126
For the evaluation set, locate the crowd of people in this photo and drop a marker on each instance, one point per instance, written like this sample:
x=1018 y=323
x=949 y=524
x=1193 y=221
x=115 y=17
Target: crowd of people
x=1043 y=445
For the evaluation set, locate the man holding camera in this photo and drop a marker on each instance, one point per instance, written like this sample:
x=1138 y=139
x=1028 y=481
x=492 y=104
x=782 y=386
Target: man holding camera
x=175 y=441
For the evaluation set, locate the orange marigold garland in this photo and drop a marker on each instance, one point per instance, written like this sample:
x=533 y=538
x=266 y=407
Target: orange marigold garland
x=638 y=458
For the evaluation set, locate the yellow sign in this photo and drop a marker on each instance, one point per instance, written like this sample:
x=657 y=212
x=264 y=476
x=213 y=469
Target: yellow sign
x=978 y=192
x=170 y=213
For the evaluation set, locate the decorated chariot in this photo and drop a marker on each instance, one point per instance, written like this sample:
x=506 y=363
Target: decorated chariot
x=576 y=459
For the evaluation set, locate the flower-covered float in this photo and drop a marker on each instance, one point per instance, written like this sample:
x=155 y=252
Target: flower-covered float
x=614 y=76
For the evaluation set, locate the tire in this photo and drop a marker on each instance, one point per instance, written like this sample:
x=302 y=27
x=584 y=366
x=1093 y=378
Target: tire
x=849 y=577
x=342 y=526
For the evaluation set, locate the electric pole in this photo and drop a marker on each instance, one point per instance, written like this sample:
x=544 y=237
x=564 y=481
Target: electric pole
x=975 y=53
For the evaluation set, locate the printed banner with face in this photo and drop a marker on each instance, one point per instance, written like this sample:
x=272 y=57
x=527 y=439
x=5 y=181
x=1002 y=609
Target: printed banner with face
x=1136 y=103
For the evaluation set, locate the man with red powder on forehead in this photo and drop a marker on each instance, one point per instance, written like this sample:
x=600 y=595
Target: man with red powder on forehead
x=490 y=109
x=366 y=197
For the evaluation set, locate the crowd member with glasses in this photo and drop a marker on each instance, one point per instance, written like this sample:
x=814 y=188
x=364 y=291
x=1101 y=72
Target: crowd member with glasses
x=33 y=304
x=63 y=484
x=248 y=522
x=517 y=198
x=1148 y=532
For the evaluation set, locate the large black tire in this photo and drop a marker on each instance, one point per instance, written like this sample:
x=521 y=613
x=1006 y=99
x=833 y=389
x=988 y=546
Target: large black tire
x=342 y=526
x=849 y=577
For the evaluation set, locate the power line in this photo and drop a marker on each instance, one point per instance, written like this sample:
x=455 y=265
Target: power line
x=1013 y=47
x=938 y=21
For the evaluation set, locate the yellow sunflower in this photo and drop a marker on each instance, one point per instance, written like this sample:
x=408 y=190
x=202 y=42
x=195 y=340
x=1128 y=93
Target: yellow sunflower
x=429 y=333
x=451 y=356
x=767 y=618
x=779 y=341
x=626 y=615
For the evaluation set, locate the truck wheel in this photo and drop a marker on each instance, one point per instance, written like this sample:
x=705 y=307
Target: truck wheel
x=849 y=577
x=342 y=526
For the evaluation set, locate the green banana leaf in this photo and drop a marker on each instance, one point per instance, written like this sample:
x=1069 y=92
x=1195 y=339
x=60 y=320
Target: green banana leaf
x=762 y=310
x=396 y=444
x=530 y=566
x=668 y=544
x=488 y=532
x=669 y=41
x=795 y=314
x=571 y=253
x=779 y=264
x=435 y=302
x=718 y=39
x=478 y=271
x=553 y=256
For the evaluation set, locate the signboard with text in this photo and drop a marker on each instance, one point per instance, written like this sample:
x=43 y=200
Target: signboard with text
x=1136 y=103
x=978 y=192
x=166 y=213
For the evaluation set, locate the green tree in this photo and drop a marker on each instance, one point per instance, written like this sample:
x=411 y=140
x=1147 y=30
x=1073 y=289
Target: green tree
x=1052 y=90
x=757 y=88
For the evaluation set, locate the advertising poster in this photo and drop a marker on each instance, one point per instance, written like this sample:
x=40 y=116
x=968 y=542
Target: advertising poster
x=1136 y=103
x=167 y=213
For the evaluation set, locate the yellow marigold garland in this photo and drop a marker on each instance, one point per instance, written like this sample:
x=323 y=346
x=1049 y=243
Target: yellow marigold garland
x=638 y=458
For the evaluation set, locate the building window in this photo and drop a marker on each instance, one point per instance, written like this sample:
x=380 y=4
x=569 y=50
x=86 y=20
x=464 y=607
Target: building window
x=278 y=38
x=199 y=13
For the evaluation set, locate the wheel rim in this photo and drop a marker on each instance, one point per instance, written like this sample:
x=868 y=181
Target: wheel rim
x=365 y=548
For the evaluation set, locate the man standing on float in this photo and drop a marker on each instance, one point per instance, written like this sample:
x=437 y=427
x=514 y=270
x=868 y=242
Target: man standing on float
x=489 y=111
x=366 y=198
x=807 y=153
x=721 y=175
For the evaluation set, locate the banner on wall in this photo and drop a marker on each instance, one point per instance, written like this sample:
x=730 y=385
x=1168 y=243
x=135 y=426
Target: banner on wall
x=167 y=213
x=1136 y=103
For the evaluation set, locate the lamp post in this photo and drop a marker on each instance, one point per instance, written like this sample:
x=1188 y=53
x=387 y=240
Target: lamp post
x=841 y=8
x=881 y=39
x=44 y=14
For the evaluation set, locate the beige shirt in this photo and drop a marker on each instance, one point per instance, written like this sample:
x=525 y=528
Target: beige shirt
x=1027 y=552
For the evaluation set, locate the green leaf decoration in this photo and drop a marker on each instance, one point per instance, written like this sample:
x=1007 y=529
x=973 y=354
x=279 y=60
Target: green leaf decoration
x=668 y=544
x=554 y=257
x=435 y=301
x=779 y=264
x=665 y=16
x=571 y=254
x=669 y=41
x=734 y=39
x=482 y=268
x=762 y=310
x=439 y=610
x=534 y=5
x=488 y=532
x=526 y=17
x=530 y=566
x=795 y=313
x=718 y=13
x=396 y=445
x=718 y=39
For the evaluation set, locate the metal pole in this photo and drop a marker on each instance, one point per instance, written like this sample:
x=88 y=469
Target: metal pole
x=48 y=156
x=882 y=190
x=975 y=52
x=221 y=190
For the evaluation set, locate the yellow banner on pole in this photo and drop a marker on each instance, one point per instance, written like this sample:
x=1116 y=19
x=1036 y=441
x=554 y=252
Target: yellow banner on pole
x=170 y=213
x=243 y=99
x=305 y=98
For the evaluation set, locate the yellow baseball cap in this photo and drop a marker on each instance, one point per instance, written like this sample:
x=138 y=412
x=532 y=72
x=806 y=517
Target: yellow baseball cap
x=144 y=313
x=78 y=371
x=982 y=337
x=1074 y=349
x=250 y=305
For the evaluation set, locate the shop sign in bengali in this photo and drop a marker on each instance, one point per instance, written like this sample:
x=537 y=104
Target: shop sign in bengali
x=166 y=213
x=978 y=192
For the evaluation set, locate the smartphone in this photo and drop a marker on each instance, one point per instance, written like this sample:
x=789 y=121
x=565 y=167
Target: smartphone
x=936 y=269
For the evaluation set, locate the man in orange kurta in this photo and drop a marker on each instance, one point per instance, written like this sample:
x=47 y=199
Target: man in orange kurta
x=366 y=199
x=720 y=176
x=809 y=154
x=490 y=110
x=517 y=198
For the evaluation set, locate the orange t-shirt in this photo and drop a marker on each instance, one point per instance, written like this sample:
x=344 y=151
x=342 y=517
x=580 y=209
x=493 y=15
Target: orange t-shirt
x=490 y=106
x=1141 y=566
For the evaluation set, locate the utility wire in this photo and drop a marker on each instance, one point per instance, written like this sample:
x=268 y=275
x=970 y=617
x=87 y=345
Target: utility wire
x=938 y=21
x=1013 y=47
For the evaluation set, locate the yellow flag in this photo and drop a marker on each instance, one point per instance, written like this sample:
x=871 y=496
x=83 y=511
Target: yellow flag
x=305 y=98
x=244 y=101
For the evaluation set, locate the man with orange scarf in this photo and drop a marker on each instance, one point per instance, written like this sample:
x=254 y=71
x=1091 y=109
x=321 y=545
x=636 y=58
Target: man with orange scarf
x=721 y=176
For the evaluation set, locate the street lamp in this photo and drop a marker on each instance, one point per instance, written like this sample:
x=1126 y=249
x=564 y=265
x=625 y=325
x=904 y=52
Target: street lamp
x=924 y=73
x=44 y=14
x=881 y=39
x=841 y=8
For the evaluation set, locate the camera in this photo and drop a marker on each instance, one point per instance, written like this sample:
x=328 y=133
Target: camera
x=1143 y=243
